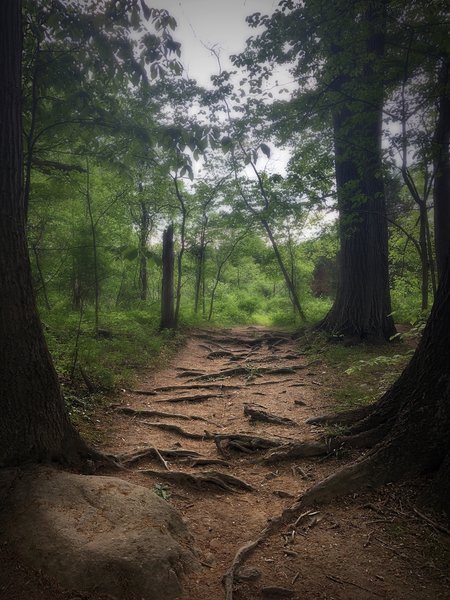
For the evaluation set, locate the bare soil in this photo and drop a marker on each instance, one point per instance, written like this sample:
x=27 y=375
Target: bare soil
x=367 y=546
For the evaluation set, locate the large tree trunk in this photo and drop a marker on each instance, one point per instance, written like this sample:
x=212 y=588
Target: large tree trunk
x=441 y=190
x=167 y=295
x=362 y=306
x=413 y=418
x=34 y=424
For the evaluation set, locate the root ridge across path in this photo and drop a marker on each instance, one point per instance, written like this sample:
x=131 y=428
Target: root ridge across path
x=238 y=401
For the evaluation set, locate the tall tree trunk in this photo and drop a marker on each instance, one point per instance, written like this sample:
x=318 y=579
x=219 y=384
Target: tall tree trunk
x=425 y=267
x=143 y=239
x=41 y=276
x=411 y=420
x=93 y=225
x=167 y=295
x=181 y=251
x=362 y=307
x=441 y=189
x=34 y=424
x=199 y=275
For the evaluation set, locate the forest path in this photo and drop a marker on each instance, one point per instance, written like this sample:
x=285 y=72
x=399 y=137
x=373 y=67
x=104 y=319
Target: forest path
x=199 y=423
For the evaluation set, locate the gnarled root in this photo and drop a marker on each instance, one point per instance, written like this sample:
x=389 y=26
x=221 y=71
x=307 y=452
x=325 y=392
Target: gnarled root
x=344 y=418
x=258 y=413
x=126 y=410
x=180 y=431
x=215 y=479
x=244 y=442
x=297 y=450
x=151 y=452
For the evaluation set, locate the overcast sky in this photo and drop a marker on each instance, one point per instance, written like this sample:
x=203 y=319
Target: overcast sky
x=218 y=23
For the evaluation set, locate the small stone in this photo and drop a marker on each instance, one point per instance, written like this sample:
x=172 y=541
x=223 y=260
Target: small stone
x=209 y=558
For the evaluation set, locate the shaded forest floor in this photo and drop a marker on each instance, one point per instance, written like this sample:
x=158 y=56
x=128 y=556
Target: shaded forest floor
x=223 y=382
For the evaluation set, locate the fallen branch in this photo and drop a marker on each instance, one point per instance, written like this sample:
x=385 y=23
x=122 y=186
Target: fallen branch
x=161 y=459
x=215 y=479
x=437 y=526
x=356 y=585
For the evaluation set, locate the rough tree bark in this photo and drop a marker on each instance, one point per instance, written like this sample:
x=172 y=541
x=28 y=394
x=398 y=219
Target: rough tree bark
x=441 y=189
x=411 y=422
x=34 y=424
x=362 y=305
x=144 y=232
x=167 y=296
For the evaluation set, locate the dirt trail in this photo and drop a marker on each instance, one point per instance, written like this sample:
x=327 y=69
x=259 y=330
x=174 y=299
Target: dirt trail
x=364 y=547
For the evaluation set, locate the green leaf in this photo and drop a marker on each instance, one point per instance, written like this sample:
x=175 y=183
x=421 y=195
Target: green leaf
x=145 y=9
x=265 y=149
x=131 y=254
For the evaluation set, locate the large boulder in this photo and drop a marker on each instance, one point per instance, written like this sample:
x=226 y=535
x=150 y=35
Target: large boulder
x=96 y=534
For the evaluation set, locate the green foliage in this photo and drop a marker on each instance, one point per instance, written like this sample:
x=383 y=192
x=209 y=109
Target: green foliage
x=162 y=490
x=108 y=362
x=357 y=375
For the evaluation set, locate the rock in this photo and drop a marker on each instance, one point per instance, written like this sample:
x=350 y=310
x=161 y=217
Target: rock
x=248 y=574
x=209 y=558
x=96 y=534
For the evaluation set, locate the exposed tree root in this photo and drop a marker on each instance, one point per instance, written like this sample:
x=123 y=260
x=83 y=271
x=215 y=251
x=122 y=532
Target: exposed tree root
x=367 y=439
x=244 y=442
x=219 y=354
x=343 y=418
x=273 y=382
x=213 y=479
x=180 y=431
x=258 y=413
x=189 y=373
x=193 y=398
x=134 y=457
x=202 y=461
x=198 y=386
x=126 y=410
x=387 y=462
x=144 y=392
x=248 y=371
x=297 y=450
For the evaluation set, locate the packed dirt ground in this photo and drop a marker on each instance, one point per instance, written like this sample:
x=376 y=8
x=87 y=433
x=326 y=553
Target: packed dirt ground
x=204 y=423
